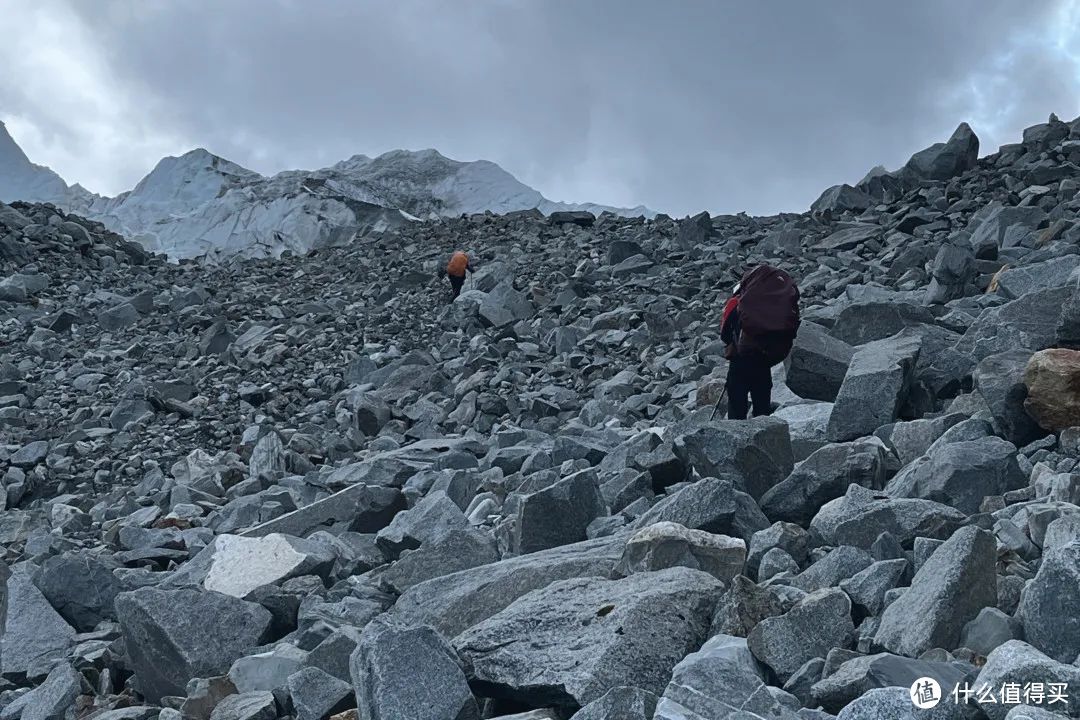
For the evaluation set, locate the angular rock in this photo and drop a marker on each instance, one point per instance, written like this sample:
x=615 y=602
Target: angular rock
x=237 y=565
x=990 y=628
x=943 y=161
x=816 y=624
x=1050 y=604
x=876 y=386
x=315 y=694
x=427 y=521
x=52 y=700
x=266 y=671
x=714 y=505
x=948 y=591
x=867 y=588
x=571 y=642
x=453 y=603
x=410 y=673
x=1000 y=380
x=620 y=703
x=817 y=364
x=246 y=706
x=81 y=586
x=825 y=476
x=757 y=450
x=668 y=544
x=862 y=674
x=721 y=680
x=35 y=635
x=864 y=322
x=559 y=514
x=838 y=565
x=173 y=636
x=363 y=508
x=961 y=474
x=1018 y=662
x=743 y=606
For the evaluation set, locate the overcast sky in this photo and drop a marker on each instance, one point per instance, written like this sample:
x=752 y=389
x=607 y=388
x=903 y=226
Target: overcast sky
x=681 y=105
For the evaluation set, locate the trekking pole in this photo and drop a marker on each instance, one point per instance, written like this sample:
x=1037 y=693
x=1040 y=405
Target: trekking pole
x=718 y=401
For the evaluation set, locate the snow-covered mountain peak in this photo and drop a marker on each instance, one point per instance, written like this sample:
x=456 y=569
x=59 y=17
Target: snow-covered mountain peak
x=200 y=203
x=21 y=179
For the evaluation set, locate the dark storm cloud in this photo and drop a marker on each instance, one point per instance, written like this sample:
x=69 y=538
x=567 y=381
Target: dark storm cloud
x=682 y=106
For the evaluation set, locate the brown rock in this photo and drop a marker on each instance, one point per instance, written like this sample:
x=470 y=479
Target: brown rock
x=1053 y=381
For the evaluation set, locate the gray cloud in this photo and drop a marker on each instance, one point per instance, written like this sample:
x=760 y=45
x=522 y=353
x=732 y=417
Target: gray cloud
x=682 y=106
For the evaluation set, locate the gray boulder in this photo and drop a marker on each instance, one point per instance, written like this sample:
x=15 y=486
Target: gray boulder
x=667 y=544
x=894 y=703
x=35 y=635
x=173 y=636
x=1023 y=279
x=504 y=306
x=825 y=476
x=714 y=505
x=757 y=450
x=721 y=681
x=961 y=474
x=571 y=642
x=944 y=161
x=948 y=591
x=838 y=565
x=1000 y=380
x=246 y=706
x=118 y=317
x=790 y=538
x=743 y=606
x=81 y=586
x=990 y=628
x=862 y=674
x=840 y=198
x=360 y=507
x=815 y=625
x=453 y=603
x=876 y=386
x=1050 y=604
x=427 y=521
x=817 y=364
x=1018 y=662
x=409 y=673
x=1022 y=323
x=912 y=439
x=559 y=514
x=266 y=671
x=316 y=694
x=455 y=550
x=620 y=703
x=867 y=587
x=864 y=322
x=862 y=515
x=51 y=700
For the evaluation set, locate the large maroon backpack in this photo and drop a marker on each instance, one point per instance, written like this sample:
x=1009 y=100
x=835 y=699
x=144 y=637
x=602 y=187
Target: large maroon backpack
x=768 y=313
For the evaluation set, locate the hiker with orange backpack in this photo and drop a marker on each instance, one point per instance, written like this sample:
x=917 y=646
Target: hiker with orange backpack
x=758 y=328
x=456 y=269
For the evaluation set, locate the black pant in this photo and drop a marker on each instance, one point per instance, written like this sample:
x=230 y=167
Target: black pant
x=749 y=377
x=456 y=283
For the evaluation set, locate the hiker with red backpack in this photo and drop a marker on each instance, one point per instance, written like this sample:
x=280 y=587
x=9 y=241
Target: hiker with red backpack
x=759 y=325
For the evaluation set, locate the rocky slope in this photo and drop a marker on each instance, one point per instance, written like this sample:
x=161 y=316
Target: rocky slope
x=200 y=204
x=311 y=486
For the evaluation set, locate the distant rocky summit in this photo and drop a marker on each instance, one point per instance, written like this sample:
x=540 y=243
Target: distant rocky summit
x=202 y=205
x=311 y=486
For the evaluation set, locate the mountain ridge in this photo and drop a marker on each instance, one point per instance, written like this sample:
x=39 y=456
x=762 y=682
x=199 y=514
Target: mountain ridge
x=202 y=204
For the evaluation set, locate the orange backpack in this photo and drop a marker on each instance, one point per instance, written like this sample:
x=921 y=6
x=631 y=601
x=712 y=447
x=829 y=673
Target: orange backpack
x=459 y=261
